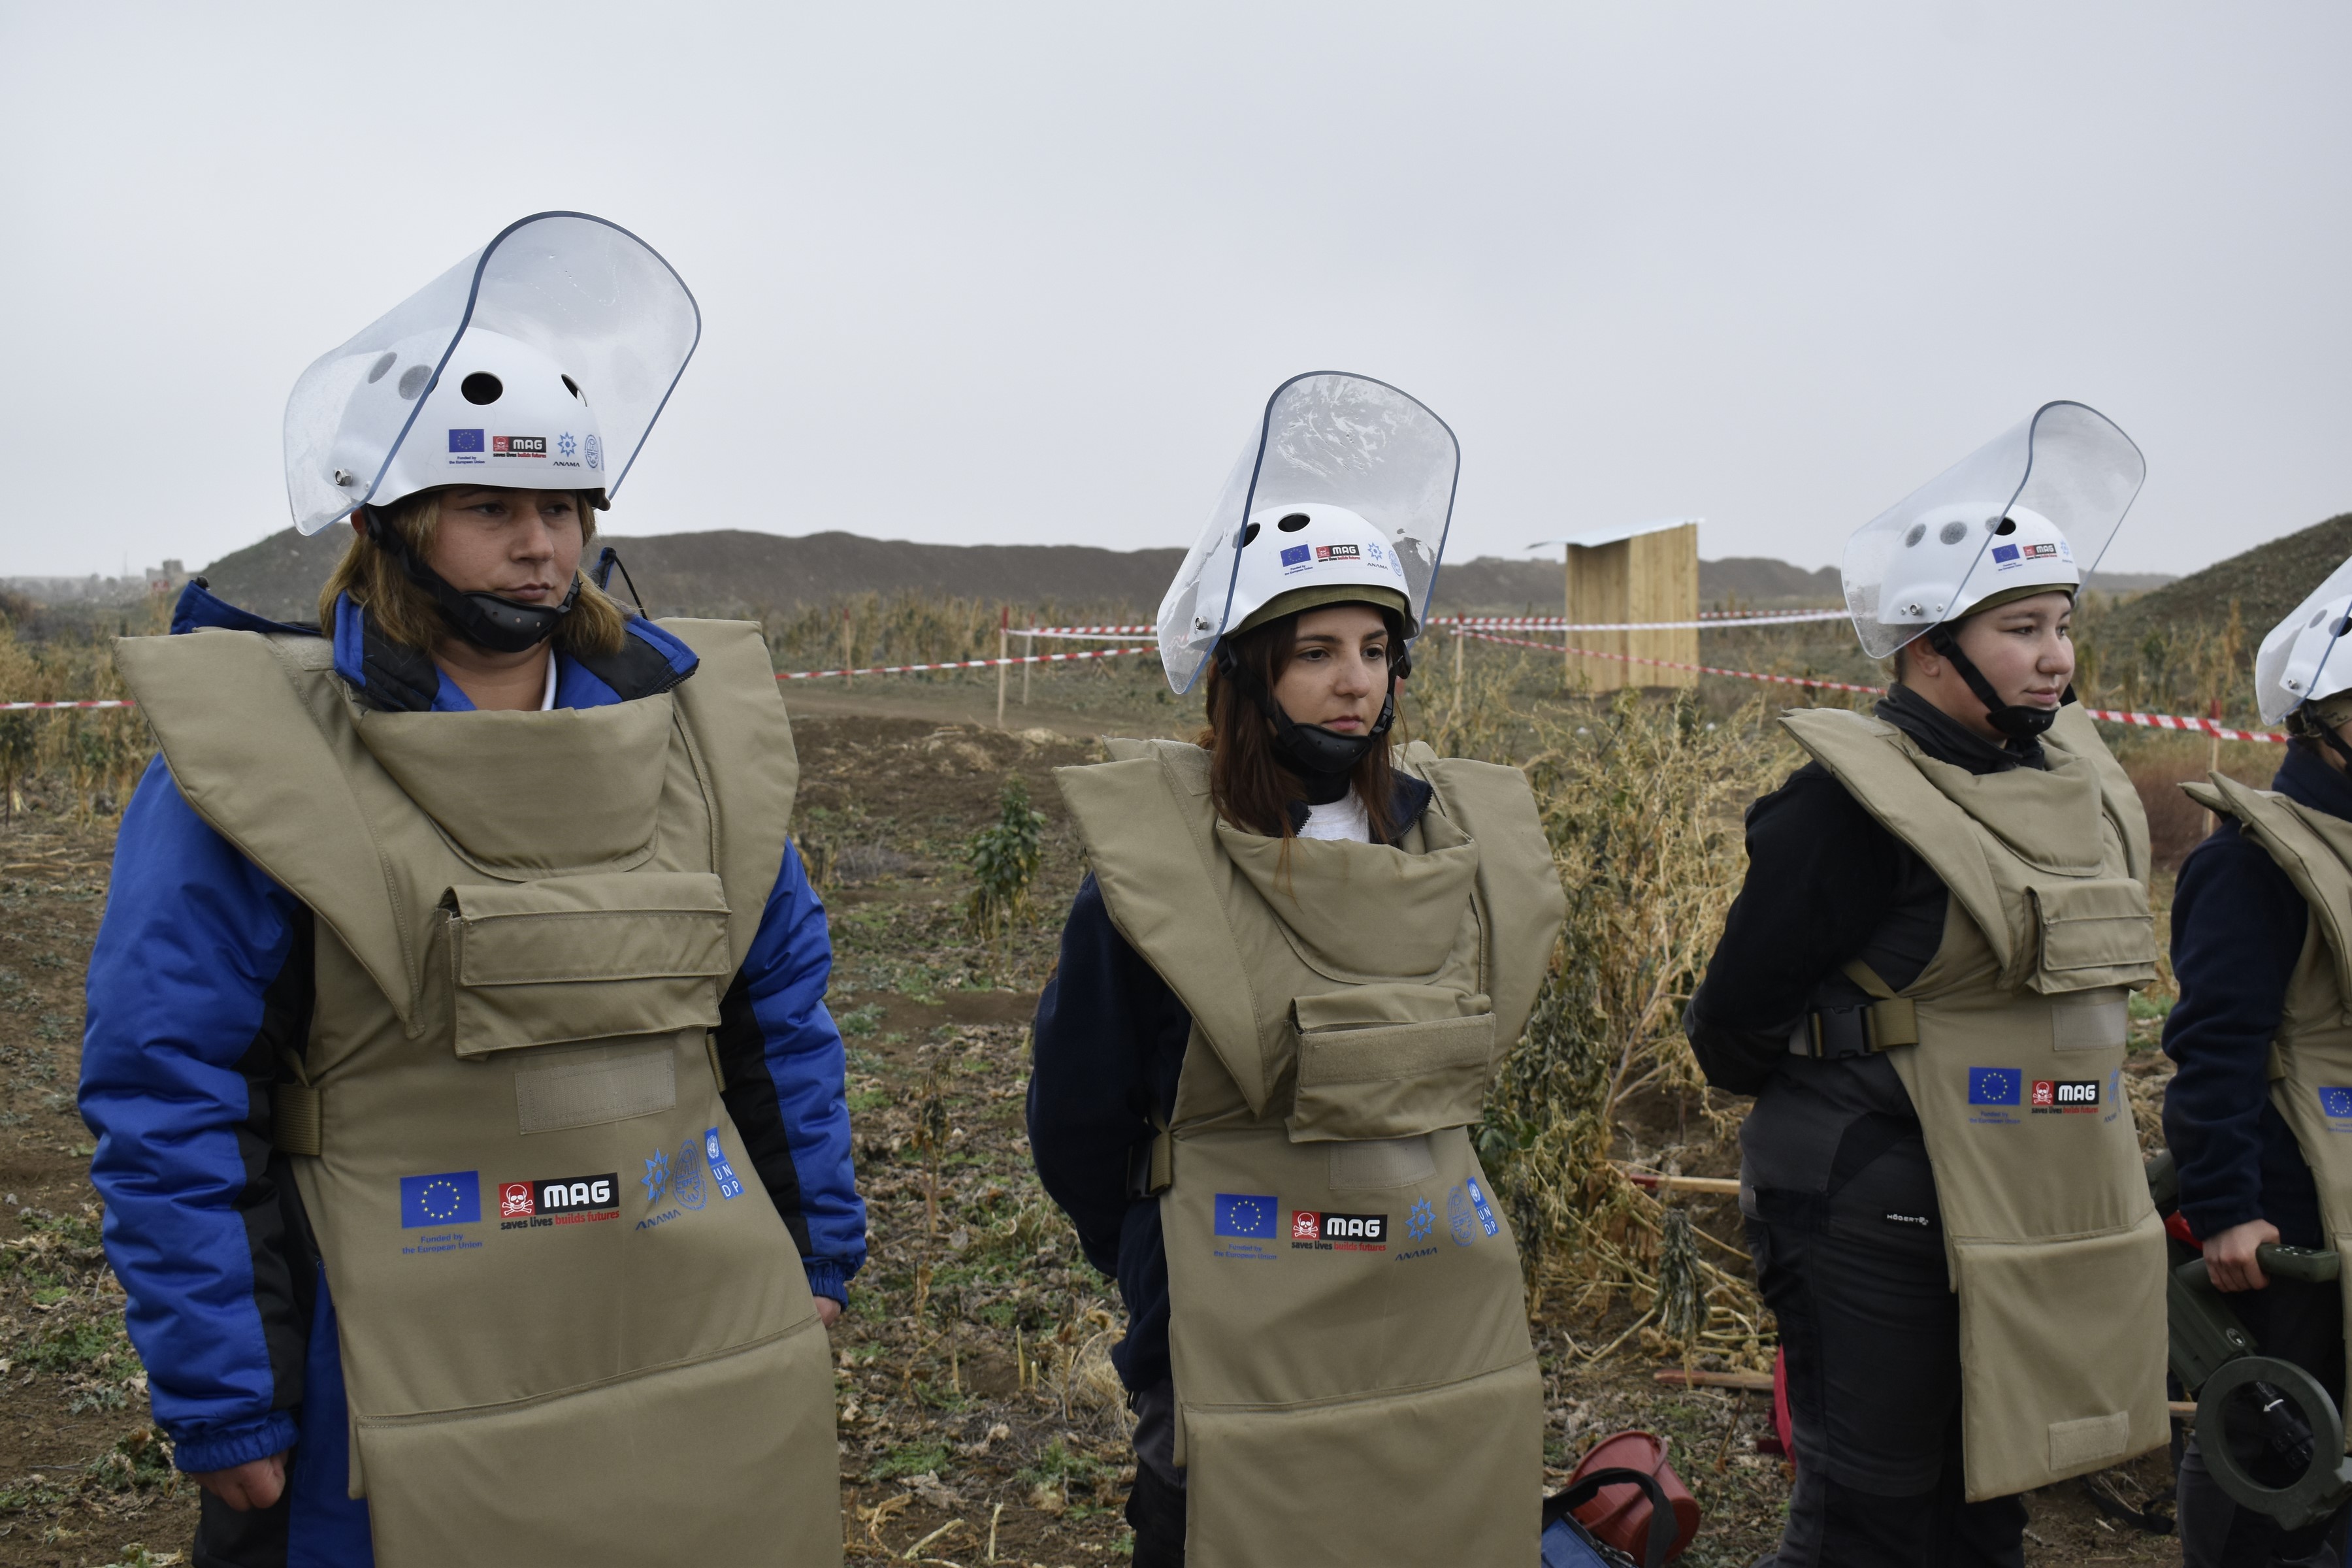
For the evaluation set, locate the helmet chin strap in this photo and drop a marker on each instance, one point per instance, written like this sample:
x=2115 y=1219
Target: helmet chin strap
x=485 y=620
x=1309 y=750
x=2018 y=720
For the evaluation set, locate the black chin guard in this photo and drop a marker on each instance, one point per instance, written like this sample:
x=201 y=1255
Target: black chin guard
x=485 y=620
x=2018 y=720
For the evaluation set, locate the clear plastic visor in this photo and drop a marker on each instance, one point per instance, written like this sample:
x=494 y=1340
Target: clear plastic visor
x=2302 y=657
x=1330 y=437
x=592 y=297
x=2067 y=461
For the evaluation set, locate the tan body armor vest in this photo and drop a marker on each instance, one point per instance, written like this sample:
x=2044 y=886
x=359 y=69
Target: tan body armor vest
x=2018 y=1024
x=2311 y=1060
x=575 y=1330
x=1354 y=1379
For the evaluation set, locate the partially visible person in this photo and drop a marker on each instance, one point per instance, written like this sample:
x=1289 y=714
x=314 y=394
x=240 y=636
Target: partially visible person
x=2256 y=1110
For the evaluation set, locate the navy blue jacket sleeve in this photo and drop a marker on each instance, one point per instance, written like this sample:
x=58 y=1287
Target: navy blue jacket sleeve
x=785 y=1086
x=2238 y=927
x=1105 y=1056
x=188 y=1003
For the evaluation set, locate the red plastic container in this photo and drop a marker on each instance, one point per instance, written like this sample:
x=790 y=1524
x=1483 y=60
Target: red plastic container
x=1620 y=1515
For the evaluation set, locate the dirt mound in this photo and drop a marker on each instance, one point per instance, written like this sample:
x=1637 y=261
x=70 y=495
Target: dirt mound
x=2266 y=582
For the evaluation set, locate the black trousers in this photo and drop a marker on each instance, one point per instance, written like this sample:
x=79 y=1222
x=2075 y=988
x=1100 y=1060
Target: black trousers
x=1155 y=1508
x=1871 y=1331
x=2296 y=1322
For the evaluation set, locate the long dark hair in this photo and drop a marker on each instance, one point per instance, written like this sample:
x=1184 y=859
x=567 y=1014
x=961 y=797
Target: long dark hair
x=1248 y=781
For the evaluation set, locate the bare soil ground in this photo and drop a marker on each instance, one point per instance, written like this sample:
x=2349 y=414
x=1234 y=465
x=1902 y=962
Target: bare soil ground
x=979 y=1417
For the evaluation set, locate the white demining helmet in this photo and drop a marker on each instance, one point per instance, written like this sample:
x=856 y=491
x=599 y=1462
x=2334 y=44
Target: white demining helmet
x=1303 y=556
x=2303 y=661
x=502 y=413
x=1966 y=556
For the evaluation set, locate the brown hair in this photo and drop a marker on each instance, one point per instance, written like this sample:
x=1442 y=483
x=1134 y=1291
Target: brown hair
x=403 y=612
x=1248 y=781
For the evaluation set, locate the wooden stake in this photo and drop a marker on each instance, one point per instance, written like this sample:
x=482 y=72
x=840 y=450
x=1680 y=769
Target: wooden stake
x=1453 y=711
x=847 y=658
x=1003 y=641
x=1028 y=646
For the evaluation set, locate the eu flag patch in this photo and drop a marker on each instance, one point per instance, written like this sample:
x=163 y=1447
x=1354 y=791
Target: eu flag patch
x=1995 y=1085
x=452 y=1197
x=465 y=441
x=1246 y=1213
x=2005 y=554
x=2336 y=1102
x=1295 y=555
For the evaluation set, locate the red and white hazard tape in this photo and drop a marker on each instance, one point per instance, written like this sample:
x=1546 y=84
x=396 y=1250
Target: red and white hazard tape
x=2109 y=715
x=962 y=664
x=1709 y=620
x=44 y=707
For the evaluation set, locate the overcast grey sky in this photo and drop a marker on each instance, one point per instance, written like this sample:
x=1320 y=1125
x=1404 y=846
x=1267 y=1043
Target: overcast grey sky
x=1026 y=271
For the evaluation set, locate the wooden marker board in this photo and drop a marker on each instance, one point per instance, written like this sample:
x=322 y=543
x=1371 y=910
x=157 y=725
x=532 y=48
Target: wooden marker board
x=1651 y=576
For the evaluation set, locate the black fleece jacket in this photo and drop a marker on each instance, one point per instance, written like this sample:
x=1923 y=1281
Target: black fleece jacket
x=1825 y=884
x=1105 y=1056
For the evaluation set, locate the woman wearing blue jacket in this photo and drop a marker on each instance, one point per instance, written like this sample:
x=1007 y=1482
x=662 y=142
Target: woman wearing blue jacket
x=470 y=1124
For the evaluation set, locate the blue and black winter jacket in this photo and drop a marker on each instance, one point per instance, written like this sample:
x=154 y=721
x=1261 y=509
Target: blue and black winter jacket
x=201 y=984
x=2237 y=928
x=1105 y=1058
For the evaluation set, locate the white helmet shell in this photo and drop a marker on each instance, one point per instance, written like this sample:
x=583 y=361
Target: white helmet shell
x=1315 y=545
x=555 y=295
x=1955 y=557
x=1330 y=446
x=2300 y=661
x=501 y=413
x=2064 y=477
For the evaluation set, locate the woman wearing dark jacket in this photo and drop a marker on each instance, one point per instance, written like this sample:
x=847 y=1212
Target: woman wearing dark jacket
x=1928 y=1070
x=1280 y=994
x=2256 y=971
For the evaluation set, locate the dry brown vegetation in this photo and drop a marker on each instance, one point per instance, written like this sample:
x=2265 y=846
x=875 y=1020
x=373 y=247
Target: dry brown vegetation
x=975 y=1396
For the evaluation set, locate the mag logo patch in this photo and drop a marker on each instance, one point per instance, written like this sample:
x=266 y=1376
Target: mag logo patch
x=1310 y=1231
x=2065 y=1096
x=559 y=1200
x=519 y=446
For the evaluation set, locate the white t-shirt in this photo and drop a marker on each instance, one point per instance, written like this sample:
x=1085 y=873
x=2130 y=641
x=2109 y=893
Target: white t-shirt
x=547 y=695
x=1343 y=818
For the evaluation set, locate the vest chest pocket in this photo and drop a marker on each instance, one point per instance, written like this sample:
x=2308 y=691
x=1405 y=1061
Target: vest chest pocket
x=1389 y=1061
x=2093 y=934
x=568 y=959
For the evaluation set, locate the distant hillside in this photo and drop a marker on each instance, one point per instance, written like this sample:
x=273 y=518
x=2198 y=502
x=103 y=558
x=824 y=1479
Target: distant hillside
x=730 y=572
x=2266 y=582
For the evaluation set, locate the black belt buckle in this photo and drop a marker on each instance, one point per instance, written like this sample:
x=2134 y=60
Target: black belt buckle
x=1841 y=1032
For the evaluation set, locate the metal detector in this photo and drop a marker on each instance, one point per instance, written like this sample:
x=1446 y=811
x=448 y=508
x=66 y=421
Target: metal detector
x=2271 y=1435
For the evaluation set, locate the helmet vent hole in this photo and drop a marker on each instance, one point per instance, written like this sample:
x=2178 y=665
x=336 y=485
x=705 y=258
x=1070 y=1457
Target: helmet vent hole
x=1294 y=522
x=1249 y=536
x=571 y=386
x=2317 y=617
x=1919 y=532
x=1953 y=532
x=482 y=387
x=2004 y=525
x=384 y=362
x=413 y=379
